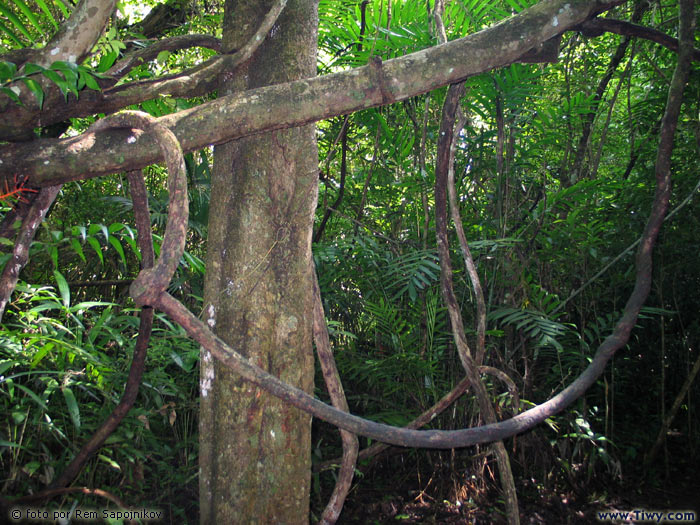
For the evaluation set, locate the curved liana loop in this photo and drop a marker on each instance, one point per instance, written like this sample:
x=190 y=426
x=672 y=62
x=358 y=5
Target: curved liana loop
x=150 y=283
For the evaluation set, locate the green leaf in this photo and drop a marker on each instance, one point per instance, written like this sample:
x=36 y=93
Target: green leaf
x=30 y=68
x=32 y=395
x=16 y=22
x=7 y=71
x=30 y=16
x=10 y=444
x=79 y=230
x=72 y=405
x=95 y=330
x=31 y=467
x=116 y=227
x=47 y=12
x=6 y=365
x=75 y=243
x=53 y=253
x=107 y=61
x=134 y=248
x=9 y=33
x=45 y=349
x=62 y=288
x=109 y=461
x=104 y=230
x=63 y=6
x=70 y=75
x=11 y=94
x=36 y=89
x=117 y=246
x=89 y=80
x=98 y=249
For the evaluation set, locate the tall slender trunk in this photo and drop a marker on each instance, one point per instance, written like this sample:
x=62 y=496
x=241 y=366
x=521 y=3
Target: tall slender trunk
x=254 y=449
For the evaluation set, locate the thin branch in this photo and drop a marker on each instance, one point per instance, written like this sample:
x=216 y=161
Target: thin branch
x=151 y=52
x=343 y=174
x=105 y=282
x=445 y=161
x=431 y=413
x=187 y=82
x=598 y=26
x=20 y=253
x=337 y=395
x=362 y=225
x=426 y=417
x=578 y=169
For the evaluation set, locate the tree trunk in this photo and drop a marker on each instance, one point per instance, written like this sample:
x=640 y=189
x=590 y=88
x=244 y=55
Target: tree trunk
x=254 y=449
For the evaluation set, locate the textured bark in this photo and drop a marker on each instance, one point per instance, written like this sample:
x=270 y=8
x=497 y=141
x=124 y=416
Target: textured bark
x=254 y=448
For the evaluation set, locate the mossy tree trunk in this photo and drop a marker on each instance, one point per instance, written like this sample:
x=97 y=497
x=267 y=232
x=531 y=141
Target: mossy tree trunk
x=255 y=449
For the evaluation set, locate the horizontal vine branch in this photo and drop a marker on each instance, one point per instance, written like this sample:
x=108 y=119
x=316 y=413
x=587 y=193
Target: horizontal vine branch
x=51 y=161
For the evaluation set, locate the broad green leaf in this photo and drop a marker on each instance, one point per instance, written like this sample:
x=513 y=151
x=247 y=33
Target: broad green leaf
x=62 y=288
x=117 y=246
x=86 y=305
x=31 y=68
x=75 y=243
x=107 y=61
x=7 y=71
x=96 y=246
x=36 y=90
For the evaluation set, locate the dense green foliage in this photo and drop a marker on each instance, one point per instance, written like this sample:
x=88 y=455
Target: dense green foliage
x=543 y=213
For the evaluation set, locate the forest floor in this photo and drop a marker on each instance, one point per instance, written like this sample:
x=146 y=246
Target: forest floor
x=398 y=503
